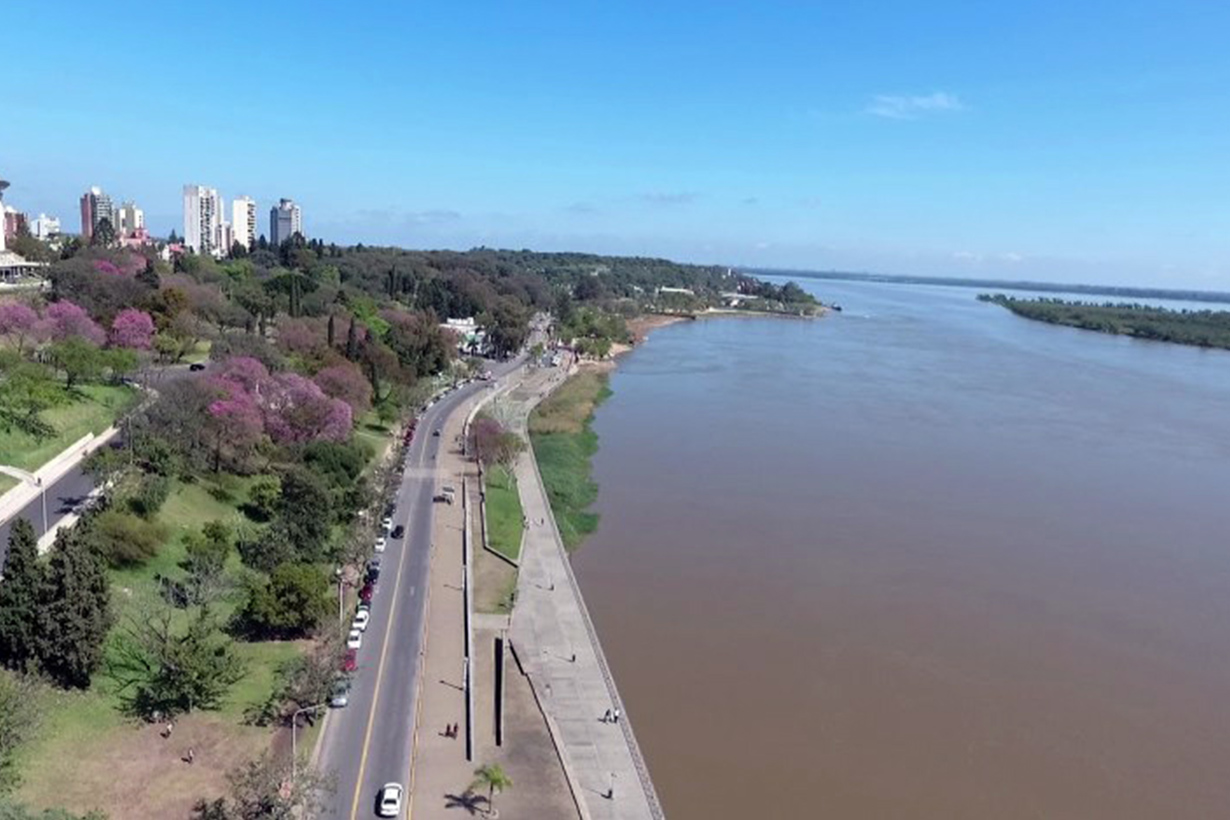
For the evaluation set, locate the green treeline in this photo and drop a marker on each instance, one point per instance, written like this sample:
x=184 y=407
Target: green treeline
x=1201 y=328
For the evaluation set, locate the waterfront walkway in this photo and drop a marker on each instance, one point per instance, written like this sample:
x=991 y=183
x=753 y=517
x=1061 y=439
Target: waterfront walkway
x=557 y=646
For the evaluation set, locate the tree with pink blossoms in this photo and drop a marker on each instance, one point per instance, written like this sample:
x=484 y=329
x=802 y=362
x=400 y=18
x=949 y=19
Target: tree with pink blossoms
x=64 y=319
x=298 y=411
x=346 y=382
x=246 y=371
x=19 y=323
x=133 y=329
x=235 y=424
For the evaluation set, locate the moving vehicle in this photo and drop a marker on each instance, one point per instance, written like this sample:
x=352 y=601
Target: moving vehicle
x=398 y=531
x=388 y=804
x=196 y=367
x=361 y=619
x=355 y=639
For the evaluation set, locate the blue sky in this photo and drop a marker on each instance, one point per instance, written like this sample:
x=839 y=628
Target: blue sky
x=1066 y=141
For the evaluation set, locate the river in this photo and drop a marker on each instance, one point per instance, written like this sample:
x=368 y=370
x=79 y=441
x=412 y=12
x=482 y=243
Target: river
x=919 y=559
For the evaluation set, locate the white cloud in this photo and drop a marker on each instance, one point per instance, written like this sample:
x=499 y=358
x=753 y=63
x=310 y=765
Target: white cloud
x=908 y=107
x=967 y=256
x=1011 y=257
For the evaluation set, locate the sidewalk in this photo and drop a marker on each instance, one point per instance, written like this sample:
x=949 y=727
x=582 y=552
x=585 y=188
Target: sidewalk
x=558 y=647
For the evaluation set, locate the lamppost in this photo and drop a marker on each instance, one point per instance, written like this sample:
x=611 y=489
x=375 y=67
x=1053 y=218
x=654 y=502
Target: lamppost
x=294 y=746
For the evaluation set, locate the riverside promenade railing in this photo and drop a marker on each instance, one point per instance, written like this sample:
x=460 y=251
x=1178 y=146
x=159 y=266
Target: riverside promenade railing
x=634 y=749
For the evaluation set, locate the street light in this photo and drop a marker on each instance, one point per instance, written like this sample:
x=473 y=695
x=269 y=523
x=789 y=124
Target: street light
x=294 y=747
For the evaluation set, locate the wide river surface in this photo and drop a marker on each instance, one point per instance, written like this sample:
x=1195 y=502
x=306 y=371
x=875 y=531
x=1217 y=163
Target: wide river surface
x=920 y=559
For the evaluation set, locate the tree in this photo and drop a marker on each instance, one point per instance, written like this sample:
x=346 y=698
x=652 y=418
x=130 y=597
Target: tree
x=132 y=328
x=104 y=234
x=75 y=611
x=205 y=562
x=63 y=319
x=162 y=668
x=492 y=444
x=19 y=324
x=492 y=778
x=291 y=604
x=19 y=598
x=298 y=411
x=173 y=238
x=310 y=678
x=268 y=788
x=26 y=389
x=79 y=359
x=347 y=383
x=263 y=497
x=20 y=714
x=305 y=510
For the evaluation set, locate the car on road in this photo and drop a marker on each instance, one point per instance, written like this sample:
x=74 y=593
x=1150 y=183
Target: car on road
x=354 y=640
x=435 y=433
x=373 y=572
x=350 y=661
x=341 y=694
x=381 y=543
x=388 y=803
x=361 y=619
x=365 y=594
x=398 y=531
x=387 y=522
x=196 y=367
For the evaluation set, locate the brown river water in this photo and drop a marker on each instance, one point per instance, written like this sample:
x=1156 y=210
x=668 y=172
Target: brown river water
x=921 y=559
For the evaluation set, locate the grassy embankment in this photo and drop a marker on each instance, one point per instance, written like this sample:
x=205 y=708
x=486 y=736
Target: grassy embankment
x=564 y=444
x=92 y=409
x=504 y=514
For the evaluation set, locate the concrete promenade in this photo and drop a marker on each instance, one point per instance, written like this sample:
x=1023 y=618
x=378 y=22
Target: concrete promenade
x=558 y=648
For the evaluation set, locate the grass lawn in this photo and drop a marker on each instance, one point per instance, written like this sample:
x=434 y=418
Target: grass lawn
x=124 y=766
x=564 y=444
x=200 y=353
x=504 y=516
x=93 y=409
x=6 y=483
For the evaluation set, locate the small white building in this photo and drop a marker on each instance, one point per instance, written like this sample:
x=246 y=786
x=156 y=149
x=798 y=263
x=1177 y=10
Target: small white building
x=45 y=227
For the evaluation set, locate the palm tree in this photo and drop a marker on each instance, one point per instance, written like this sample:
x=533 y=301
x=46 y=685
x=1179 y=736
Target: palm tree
x=493 y=778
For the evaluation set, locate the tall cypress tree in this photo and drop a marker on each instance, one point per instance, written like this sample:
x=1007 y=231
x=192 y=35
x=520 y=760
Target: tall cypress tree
x=19 y=598
x=331 y=329
x=352 y=341
x=75 y=610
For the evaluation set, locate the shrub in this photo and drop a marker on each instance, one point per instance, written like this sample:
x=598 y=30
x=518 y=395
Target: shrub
x=124 y=539
x=150 y=495
x=263 y=498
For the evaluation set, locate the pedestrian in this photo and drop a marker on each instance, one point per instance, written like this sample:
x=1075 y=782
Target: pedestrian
x=574 y=657
x=617 y=716
x=170 y=728
x=606 y=717
x=191 y=757
x=456 y=729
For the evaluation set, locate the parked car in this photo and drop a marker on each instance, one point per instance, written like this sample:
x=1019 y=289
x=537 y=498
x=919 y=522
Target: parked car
x=388 y=803
x=361 y=619
x=445 y=498
x=387 y=522
x=365 y=594
x=398 y=531
x=341 y=694
x=354 y=640
x=380 y=544
x=373 y=572
x=350 y=661
x=196 y=367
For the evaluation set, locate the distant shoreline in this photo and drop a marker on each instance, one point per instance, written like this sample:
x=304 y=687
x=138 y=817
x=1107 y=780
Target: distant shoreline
x=1041 y=287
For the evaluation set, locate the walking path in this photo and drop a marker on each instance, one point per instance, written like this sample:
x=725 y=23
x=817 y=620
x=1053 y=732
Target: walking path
x=558 y=647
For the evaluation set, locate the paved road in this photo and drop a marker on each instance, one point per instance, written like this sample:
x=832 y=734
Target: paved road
x=70 y=489
x=368 y=743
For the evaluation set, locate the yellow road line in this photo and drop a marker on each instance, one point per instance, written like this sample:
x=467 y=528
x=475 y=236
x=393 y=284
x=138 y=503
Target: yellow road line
x=371 y=715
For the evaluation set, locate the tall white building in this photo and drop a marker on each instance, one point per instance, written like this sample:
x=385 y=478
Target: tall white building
x=45 y=227
x=285 y=220
x=202 y=219
x=243 y=221
x=129 y=219
x=226 y=238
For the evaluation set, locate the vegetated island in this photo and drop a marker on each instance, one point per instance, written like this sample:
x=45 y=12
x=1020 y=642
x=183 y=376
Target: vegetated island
x=1200 y=328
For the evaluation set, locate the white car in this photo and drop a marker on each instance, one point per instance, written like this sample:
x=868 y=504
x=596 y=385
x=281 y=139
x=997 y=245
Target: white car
x=355 y=639
x=361 y=619
x=389 y=802
x=380 y=543
x=387 y=522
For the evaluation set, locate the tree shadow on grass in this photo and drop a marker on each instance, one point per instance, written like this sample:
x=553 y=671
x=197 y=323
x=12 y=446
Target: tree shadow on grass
x=468 y=800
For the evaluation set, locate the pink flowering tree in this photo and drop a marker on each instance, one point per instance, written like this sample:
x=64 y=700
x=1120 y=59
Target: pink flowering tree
x=346 y=382
x=298 y=411
x=245 y=371
x=106 y=266
x=133 y=329
x=235 y=423
x=19 y=324
x=64 y=319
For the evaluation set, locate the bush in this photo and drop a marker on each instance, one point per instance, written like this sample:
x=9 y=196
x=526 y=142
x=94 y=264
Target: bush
x=150 y=495
x=337 y=462
x=290 y=604
x=263 y=498
x=124 y=539
x=265 y=552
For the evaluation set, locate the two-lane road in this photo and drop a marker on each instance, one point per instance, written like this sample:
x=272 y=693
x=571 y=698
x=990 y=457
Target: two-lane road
x=369 y=742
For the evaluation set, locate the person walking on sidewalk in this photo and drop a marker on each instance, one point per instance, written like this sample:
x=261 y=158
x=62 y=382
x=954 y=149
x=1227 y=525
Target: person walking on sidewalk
x=616 y=715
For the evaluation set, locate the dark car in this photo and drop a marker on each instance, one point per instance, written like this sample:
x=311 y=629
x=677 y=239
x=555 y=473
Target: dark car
x=196 y=367
x=365 y=594
x=373 y=573
x=398 y=531
x=435 y=433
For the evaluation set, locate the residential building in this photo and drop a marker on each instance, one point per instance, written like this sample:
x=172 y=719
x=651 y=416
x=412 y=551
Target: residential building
x=14 y=268
x=45 y=227
x=243 y=221
x=285 y=220
x=129 y=219
x=95 y=207
x=202 y=219
x=14 y=222
x=226 y=238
